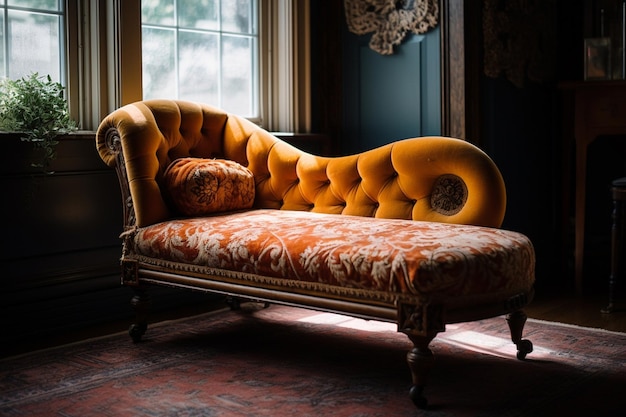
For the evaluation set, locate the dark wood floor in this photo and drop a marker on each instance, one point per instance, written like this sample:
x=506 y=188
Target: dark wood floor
x=579 y=310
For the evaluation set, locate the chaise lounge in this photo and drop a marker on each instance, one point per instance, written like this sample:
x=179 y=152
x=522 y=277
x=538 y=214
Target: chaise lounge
x=406 y=233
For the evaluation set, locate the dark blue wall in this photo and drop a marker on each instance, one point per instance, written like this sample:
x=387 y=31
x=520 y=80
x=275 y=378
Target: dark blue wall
x=389 y=97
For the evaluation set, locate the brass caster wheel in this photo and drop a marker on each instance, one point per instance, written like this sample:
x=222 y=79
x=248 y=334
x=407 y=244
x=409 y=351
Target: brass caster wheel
x=136 y=331
x=524 y=347
x=416 y=396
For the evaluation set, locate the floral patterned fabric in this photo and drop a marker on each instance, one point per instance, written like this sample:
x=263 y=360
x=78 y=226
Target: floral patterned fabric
x=198 y=186
x=398 y=256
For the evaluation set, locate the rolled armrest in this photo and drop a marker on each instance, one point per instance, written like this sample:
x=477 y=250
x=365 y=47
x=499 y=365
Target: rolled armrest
x=428 y=178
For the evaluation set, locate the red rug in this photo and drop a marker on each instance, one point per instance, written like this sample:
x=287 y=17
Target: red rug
x=285 y=361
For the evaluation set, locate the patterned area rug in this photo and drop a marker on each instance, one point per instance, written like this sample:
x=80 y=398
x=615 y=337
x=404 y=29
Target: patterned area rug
x=283 y=361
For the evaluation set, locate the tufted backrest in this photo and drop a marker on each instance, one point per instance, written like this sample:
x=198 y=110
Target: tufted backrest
x=430 y=178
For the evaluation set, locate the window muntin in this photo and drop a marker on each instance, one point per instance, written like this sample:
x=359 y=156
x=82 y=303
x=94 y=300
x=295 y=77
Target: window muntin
x=203 y=51
x=32 y=36
x=50 y=5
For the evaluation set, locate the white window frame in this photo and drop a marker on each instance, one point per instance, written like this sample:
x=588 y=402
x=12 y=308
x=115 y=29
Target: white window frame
x=285 y=65
x=104 y=61
x=5 y=47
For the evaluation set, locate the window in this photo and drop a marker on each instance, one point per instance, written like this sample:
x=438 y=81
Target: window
x=112 y=52
x=33 y=38
x=203 y=50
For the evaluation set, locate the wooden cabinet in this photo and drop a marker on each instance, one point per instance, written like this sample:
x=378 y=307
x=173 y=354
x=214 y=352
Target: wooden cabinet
x=598 y=108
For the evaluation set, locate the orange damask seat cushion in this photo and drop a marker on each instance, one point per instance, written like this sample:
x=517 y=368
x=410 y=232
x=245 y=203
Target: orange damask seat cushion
x=197 y=186
x=398 y=256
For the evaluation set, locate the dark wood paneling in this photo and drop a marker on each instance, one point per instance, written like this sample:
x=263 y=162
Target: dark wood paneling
x=62 y=224
x=461 y=67
x=60 y=255
x=326 y=69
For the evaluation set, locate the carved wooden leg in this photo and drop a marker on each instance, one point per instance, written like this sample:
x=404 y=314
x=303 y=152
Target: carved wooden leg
x=420 y=323
x=141 y=303
x=516 y=321
x=421 y=360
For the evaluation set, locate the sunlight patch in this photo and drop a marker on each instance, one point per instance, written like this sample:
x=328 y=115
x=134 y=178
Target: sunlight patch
x=492 y=345
x=471 y=340
x=350 y=322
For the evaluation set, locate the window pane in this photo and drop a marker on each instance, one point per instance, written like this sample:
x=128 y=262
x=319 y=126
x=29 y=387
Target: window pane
x=199 y=67
x=200 y=14
x=238 y=16
x=211 y=54
x=158 y=12
x=159 y=66
x=238 y=74
x=2 y=51
x=51 y=5
x=34 y=44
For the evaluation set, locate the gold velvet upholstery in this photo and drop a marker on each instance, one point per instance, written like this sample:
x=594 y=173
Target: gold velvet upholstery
x=393 y=181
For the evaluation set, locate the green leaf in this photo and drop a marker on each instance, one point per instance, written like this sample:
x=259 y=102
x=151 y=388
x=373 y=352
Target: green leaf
x=36 y=106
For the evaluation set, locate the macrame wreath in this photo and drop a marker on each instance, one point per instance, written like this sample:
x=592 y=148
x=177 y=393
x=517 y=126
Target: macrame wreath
x=390 y=20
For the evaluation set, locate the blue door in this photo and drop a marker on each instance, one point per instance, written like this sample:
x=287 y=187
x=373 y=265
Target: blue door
x=390 y=97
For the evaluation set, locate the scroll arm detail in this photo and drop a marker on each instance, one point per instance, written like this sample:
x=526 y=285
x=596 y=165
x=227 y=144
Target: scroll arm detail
x=112 y=140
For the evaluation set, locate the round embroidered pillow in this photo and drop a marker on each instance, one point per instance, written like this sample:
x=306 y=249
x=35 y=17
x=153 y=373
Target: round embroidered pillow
x=198 y=186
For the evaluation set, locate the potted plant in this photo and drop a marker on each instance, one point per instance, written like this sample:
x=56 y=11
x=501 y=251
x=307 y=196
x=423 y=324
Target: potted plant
x=36 y=107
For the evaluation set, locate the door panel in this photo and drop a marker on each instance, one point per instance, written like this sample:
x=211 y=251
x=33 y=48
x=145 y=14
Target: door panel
x=390 y=97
